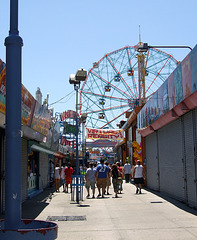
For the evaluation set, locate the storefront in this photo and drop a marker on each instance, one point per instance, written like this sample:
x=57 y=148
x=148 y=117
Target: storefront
x=168 y=123
x=33 y=171
x=39 y=164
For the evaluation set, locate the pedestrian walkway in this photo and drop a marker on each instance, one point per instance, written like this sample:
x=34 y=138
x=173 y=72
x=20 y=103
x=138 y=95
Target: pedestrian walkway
x=131 y=216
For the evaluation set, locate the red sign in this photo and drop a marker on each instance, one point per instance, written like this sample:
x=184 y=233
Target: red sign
x=106 y=134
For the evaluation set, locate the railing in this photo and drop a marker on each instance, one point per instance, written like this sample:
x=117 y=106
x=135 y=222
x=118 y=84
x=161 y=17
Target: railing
x=77 y=185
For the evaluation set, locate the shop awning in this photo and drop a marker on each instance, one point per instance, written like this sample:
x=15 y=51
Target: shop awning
x=36 y=146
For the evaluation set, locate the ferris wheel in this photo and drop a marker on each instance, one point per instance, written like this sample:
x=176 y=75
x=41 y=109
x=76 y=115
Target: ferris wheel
x=121 y=80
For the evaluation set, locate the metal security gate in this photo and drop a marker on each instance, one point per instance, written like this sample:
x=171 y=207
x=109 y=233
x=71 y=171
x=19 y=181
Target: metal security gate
x=189 y=130
x=152 y=165
x=2 y=173
x=171 y=160
x=195 y=149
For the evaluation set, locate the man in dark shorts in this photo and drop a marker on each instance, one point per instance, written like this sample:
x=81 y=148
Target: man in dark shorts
x=102 y=175
x=139 y=176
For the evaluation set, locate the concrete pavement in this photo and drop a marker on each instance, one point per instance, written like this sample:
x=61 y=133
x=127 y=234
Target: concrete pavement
x=131 y=216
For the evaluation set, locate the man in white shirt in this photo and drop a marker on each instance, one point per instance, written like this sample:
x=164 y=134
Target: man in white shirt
x=90 y=178
x=139 y=176
x=127 y=171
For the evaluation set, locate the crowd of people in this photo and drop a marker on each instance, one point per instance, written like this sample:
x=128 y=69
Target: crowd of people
x=101 y=175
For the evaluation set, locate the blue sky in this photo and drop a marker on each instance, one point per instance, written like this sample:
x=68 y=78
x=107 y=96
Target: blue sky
x=62 y=36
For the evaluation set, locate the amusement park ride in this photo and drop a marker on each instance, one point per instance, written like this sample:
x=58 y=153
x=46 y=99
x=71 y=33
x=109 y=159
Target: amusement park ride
x=121 y=80
x=116 y=84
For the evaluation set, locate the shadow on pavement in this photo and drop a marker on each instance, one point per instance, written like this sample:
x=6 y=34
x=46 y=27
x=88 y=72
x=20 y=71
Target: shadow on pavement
x=31 y=208
x=175 y=202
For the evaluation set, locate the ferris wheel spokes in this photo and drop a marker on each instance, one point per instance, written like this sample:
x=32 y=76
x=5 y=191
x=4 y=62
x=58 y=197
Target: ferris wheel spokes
x=113 y=86
x=114 y=118
x=134 y=82
x=157 y=75
x=119 y=74
x=105 y=96
x=109 y=108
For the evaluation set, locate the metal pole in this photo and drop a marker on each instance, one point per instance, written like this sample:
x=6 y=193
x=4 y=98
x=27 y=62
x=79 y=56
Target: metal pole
x=83 y=144
x=77 y=153
x=13 y=45
x=170 y=47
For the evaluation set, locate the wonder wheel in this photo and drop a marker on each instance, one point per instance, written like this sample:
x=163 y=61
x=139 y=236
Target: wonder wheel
x=121 y=80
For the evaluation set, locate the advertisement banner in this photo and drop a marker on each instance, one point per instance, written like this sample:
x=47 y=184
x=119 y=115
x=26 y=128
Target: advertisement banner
x=155 y=106
x=171 y=91
x=186 y=77
x=193 y=60
x=178 y=85
x=28 y=105
x=160 y=101
x=151 y=110
x=69 y=114
x=165 y=97
x=105 y=134
x=2 y=65
x=2 y=88
x=41 y=119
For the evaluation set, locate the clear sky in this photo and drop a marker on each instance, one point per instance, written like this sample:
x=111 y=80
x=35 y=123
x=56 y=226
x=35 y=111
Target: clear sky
x=61 y=36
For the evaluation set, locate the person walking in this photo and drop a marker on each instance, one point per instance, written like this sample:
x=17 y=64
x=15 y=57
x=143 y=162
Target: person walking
x=102 y=175
x=115 y=174
x=109 y=178
x=63 y=176
x=90 y=178
x=121 y=176
x=139 y=176
x=57 y=177
x=68 y=172
x=127 y=171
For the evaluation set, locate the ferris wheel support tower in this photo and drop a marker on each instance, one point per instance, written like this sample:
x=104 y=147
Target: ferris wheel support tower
x=141 y=78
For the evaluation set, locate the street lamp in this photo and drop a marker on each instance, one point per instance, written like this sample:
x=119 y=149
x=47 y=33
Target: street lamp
x=145 y=47
x=75 y=79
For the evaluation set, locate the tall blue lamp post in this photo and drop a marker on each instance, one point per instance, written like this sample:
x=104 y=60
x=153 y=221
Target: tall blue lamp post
x=13 y=227
x=13 y=45
x=75 y=79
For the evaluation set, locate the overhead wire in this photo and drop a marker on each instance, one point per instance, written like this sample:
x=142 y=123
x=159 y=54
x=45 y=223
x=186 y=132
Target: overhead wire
x=63 y=98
